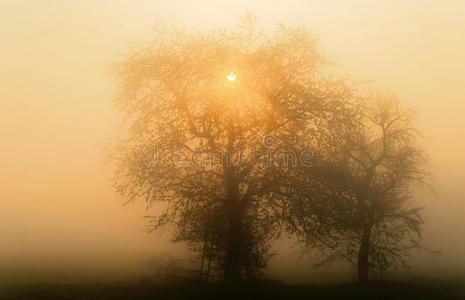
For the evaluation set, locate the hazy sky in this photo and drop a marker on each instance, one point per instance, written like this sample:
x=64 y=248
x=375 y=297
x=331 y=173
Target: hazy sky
x=56 y=204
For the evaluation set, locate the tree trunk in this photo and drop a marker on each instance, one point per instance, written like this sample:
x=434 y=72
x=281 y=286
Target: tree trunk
x=232 y=268
x=204 y=253
x=363 y=255
x=232 y=271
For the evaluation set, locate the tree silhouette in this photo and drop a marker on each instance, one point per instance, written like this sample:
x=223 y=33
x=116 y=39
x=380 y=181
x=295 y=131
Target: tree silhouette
x=358 y=205
x=203 y=112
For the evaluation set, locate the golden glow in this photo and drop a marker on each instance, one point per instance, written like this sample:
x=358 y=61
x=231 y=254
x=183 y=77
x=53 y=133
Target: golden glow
x=231 y=76
x=67 y=111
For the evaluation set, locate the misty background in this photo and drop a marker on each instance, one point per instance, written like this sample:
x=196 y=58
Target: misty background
x=59 y=216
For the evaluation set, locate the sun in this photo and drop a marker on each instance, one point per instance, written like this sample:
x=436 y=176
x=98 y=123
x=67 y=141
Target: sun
x=231 y=76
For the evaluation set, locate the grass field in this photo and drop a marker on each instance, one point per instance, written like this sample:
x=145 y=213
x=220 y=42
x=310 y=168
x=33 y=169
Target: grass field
x=245 y=290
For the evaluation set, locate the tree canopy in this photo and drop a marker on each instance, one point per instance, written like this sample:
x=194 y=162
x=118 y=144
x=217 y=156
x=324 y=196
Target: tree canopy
x=359 y=205
x=228 y=128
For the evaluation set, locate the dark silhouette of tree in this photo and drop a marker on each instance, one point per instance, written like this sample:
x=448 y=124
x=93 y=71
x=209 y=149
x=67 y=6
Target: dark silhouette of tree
x=358 y=204
x=202 y=111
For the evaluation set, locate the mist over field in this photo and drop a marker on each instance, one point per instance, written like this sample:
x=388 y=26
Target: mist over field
x=62 y=221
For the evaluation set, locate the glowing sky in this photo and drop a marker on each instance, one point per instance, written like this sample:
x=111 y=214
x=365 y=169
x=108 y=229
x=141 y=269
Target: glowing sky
x=55 y=110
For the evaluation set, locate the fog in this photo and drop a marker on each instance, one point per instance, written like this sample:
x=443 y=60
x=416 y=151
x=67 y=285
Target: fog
x=59 y=214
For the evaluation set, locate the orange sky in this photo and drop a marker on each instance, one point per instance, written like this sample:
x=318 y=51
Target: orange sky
x=56 y=114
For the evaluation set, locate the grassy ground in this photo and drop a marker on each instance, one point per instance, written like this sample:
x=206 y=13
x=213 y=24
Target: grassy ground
x=245 y=290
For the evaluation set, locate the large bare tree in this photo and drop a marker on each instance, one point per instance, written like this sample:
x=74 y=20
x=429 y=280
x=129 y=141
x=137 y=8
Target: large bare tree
x=203 y=112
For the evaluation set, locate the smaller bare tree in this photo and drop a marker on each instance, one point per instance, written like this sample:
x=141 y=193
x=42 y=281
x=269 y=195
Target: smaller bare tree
x=358 y=205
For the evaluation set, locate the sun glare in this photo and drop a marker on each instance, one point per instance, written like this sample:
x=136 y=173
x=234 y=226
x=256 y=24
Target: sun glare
x=231 y=76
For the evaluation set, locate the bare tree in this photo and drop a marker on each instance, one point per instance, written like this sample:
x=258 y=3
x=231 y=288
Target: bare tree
x=358 y=205
x=198 y=109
